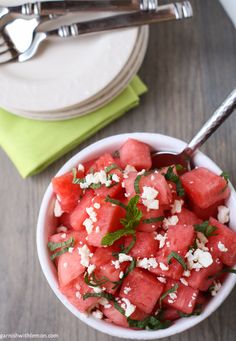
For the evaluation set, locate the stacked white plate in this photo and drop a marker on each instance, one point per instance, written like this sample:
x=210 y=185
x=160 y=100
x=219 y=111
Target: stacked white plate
x=72 y=77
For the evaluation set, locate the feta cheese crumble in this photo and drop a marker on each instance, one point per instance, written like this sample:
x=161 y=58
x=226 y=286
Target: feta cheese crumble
x=91 y=268
x=177 y=206
x=147 y=263
x=198 y=259
x=223 y=214
x=161 y=279
x=84 y=254
x=97 y=314
x=215 y=288
x=80 y=167
x=57 y=209
x=149 y=198
x=201 y=241
x=222 y=247
x=173 y=220
x=128 y=307
x=62 y=229
x=183 y=281
x=162 y=239
x=127 y=290
x=163 y=266
x=124 y=258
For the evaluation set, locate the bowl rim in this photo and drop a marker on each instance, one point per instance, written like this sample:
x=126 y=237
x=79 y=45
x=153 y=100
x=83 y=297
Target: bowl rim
x=164 y=142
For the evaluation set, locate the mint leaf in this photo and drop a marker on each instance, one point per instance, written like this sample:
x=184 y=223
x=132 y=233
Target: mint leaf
x=111 y=167
x=108 y=296
x=225 y=175
x=53 y=246
x=173 y=289
x=171 y=176
x=115 y=202
x=206 y=229
x=131 y=220
x=129 y=269
x=152 y=220
x=179 y=259
x=137 y=180
x=111 y=237
x=93 y=281
x=150 y=322
x=59 y=253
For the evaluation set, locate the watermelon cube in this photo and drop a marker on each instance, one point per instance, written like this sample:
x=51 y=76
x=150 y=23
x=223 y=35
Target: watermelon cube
x=145 y=245
x=200 y=279
x=149 y=214
x=223 y=245
x=74 y=293
x=78 y=215
x=106 y=267
x=205 y=213
x=187 y=217
x=183 y=299
x=67 y=192
x=136 y=154
x=116 y=317
x=69 y=267
x=204 y=188
x=108 y=218
x=144 y=291
x=179 y=239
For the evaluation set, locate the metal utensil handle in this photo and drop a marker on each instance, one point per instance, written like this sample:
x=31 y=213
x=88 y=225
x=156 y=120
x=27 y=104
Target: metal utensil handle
x=219 y=116
x=59 y=7
x=164 y=13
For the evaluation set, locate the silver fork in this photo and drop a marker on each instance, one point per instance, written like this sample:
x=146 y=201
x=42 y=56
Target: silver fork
x=15 y=48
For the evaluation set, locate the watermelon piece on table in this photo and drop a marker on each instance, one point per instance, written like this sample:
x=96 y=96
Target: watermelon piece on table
x=223 y=245
x=187 y=217
x=67 y=192
x=74 y=293
x=79 y=214
x=200 y=279
x=136 y=154
x=116 y=317
x=145 y=289
x=107 y=220
x=102 y=259
x=145 y=245
x=147 y=215
x=183 y=299
x=179 y=239
x=204 y=188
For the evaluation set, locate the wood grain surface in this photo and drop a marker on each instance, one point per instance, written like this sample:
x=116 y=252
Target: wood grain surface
x=189 y=68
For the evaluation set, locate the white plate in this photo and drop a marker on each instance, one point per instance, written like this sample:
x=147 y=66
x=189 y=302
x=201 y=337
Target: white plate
x=68 y=72
x=112 y=90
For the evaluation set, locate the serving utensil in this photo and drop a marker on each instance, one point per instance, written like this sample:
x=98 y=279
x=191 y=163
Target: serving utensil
x=185 y=158
x=20 y=39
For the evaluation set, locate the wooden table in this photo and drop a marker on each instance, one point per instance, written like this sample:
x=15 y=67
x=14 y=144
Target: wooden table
x=190 y=67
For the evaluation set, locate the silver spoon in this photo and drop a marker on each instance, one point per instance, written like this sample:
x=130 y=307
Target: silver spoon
x=163 y=159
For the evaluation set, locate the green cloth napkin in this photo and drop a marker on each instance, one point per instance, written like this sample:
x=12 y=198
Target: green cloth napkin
x=33 y=145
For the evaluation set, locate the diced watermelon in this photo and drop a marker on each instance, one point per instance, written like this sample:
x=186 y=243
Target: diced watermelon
x=159 y=183
x=210 y=211
x=185 y=299
x=108 y=220
x=67 y=192
x=179 y=239
x=75 y=291
x=200 y=279
x=204 y=188
x=154 y=180
x=145 y=245
x=116 y=317
x=62 y=237
x=145 y=290
x=102 y=259
x=88 y=165
x=225 y=239
x=187 y=217
x=102 y=162
x=170 y=314
x=136 y=154
x=64 y=220
x=79 y=214
x=69 y=267
x=149 y=227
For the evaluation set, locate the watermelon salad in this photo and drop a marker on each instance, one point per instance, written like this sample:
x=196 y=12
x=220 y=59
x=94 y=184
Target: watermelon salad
x=141 y=247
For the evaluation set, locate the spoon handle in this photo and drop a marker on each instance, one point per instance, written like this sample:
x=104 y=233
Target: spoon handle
x=219 y=116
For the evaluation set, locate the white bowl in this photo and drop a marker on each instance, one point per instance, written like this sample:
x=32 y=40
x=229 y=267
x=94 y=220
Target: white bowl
x=46 y=227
